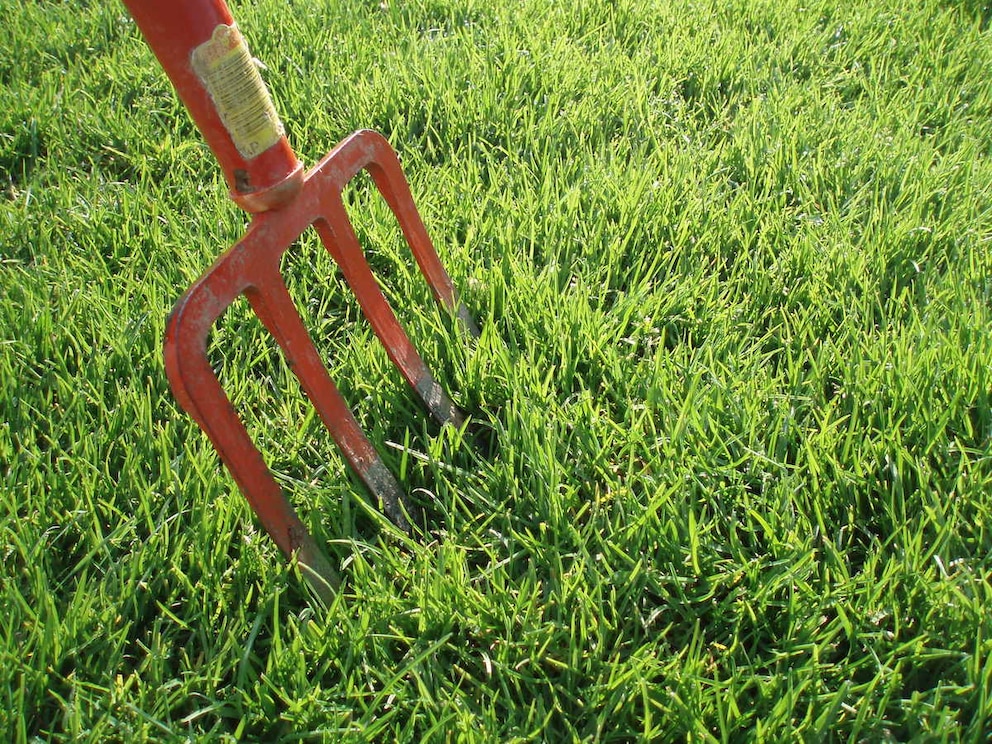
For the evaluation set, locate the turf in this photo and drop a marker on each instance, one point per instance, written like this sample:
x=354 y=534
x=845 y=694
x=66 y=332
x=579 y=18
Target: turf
x=733 y=265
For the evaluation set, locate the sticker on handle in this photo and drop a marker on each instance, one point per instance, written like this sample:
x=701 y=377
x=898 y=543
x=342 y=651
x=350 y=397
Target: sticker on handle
x=230 y=76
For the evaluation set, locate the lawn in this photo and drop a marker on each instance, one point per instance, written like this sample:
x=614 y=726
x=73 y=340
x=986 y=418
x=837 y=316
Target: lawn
x=729 y=476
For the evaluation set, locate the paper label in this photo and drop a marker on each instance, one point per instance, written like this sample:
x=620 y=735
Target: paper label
x=230 y=76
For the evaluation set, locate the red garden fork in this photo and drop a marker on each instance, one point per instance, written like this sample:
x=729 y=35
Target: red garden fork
x=207 y=60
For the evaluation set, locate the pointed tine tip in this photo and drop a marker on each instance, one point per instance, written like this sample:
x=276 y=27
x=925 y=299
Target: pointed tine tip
x=322 y=582
x=387 y=491
x=437 y=401
x=468 y=323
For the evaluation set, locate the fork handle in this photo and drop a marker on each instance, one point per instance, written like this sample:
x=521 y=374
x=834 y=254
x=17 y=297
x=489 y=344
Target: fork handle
x=206 y=58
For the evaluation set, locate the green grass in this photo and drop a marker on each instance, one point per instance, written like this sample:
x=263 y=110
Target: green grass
x=733 y=261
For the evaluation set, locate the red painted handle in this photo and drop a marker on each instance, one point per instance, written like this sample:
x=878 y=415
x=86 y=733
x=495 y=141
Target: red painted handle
x=208 y=62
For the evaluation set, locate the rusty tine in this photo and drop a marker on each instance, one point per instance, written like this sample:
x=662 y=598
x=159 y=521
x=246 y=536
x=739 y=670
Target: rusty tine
x=208 y=62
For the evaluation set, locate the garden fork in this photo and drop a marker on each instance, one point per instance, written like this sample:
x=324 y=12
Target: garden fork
x=207 y=60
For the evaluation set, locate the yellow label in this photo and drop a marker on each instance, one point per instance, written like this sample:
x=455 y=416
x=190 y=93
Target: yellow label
x=230 y=76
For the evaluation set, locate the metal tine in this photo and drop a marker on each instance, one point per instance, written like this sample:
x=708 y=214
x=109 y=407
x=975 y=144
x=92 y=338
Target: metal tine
x=274 y=306
x=339 y=238
x=370 y=151
x=200 y=392
x=387 y=173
